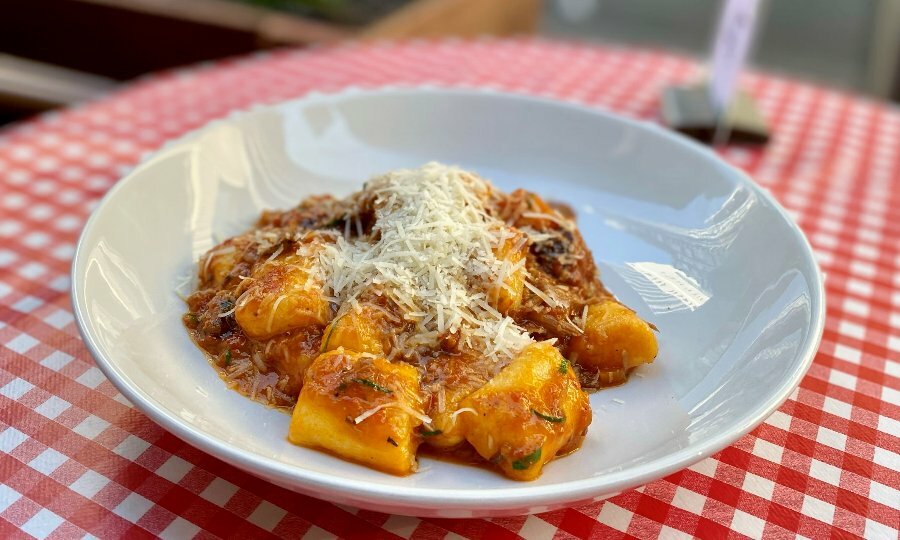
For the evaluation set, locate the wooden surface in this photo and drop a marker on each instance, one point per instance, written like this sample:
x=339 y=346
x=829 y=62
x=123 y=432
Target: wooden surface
x=440 y=18
x=123 y=39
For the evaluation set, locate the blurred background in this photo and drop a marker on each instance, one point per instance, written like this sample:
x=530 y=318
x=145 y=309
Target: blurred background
x=57 y=52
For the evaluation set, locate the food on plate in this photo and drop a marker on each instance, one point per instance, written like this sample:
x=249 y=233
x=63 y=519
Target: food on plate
x=428 y=309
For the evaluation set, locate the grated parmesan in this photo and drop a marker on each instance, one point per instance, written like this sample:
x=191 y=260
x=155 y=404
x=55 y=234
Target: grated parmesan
x=458 y=412
x=425 y=419
x=542 y=295
x=275 y=253
x=227 y=250
x=576 y=327
x=273 y=311
x=430 y=251
x=372 y=411
x=229 y=312
x=561 y=221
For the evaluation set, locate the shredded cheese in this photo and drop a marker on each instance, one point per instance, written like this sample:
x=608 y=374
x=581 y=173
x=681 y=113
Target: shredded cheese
x=243 y=298
x=274 y=310
x=573 y=325
x=425 y=419
x=244 y=368
x=275 y=253
x=430 y=251
x=542 y=295
x=185 y=282
x=227 y=250
x=258 y=361
x=372 y=411
x=458 y=412
x=441 y=398
x=562 y=222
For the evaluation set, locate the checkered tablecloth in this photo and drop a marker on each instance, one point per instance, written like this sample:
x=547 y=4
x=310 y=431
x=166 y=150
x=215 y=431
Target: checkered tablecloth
x=77 y=460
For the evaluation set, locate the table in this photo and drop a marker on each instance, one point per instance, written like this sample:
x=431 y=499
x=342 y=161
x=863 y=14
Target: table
x=76 y=459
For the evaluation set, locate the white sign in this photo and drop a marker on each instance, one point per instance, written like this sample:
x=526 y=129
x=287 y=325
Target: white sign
x=730 y=50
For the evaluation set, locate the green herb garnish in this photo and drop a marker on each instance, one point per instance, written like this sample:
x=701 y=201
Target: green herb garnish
x=227 y=357
x=193 y=318
x=564 y=366
x=431 y=433
x=331 y=328
x=373 y=385
x=527 y=461
x=333 y=223
x=547 y=417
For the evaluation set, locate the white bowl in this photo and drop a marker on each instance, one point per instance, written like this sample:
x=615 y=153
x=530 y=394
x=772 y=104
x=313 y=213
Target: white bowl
x=688 y=241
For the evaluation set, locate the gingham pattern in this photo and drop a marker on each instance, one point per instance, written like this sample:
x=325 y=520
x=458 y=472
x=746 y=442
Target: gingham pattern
x=77 y=460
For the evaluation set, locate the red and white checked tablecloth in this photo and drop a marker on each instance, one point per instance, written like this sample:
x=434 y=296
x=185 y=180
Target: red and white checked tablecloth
x=76 y=459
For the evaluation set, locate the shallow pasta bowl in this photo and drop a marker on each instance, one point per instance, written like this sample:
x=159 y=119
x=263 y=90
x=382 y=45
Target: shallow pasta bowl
x=688 y=241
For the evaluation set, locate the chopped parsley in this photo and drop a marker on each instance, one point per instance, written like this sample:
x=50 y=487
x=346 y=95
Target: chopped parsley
x=431 y=433
x=527 y=461
x=547 y=417
x=373 y=385
x=227 y=357
x=330 y=331
x=564 y=366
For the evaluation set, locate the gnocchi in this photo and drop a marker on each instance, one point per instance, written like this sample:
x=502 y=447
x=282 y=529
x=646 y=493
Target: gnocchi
x=427 y=311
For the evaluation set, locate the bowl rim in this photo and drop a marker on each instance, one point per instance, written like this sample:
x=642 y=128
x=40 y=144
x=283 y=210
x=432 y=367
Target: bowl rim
x=518 y=494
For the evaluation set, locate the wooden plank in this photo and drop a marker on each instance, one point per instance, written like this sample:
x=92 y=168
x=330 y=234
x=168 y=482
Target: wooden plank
x=42 y=85
x=273 y=27
x=465 y=18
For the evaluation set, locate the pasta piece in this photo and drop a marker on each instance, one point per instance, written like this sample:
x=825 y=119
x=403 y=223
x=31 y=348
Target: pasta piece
x=365 y=331
x=293 y=354
x=531 y=411
x=425 y=308
x=536 y=214
x=280 y=299
x=218 y=262
x=452 y=378
x=507 y=293
x=360 y=408
x=614 y=339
